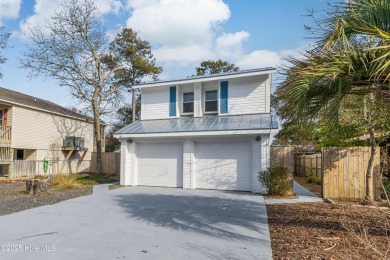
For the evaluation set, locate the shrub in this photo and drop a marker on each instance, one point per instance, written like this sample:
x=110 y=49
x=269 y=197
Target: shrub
x=65 y=182
x=276 y=179
x=313 y=179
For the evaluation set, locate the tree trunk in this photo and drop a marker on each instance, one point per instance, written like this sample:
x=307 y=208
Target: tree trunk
x=36 y=187
x=133 y=105
x=98 y=141
x=370 y=167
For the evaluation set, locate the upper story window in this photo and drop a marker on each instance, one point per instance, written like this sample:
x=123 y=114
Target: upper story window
x=211 y=101
x=1 y=117
x=188 y=102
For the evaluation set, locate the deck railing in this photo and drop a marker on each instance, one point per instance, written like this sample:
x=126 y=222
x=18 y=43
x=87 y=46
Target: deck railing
x=5 y=134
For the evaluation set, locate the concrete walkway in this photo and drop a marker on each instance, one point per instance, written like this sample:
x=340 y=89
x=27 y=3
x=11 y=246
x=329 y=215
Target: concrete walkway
x=141 y=223
x=304 y=195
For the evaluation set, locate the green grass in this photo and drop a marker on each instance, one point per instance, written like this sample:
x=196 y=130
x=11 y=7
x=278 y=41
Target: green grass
x=74 y=181
x=91 y=179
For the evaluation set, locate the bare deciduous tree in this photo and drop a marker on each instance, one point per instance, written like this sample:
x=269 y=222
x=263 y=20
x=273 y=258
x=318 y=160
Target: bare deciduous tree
x=4 y=36
x=73 y=48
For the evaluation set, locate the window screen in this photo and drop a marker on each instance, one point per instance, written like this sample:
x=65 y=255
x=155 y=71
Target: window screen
x=211 y=101
x=188 y=102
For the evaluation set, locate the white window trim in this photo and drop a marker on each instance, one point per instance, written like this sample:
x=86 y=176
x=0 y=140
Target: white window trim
x=204 y=102
x=182 y=104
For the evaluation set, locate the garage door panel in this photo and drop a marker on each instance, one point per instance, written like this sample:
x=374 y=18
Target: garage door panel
x=223 y=165
x=160 y=164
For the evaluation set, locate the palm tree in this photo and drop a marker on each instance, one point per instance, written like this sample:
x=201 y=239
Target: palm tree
x=341 y=80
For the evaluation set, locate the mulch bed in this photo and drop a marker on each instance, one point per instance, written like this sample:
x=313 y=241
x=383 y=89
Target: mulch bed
x=13 y=197
x=328 y=231
x=313 y=187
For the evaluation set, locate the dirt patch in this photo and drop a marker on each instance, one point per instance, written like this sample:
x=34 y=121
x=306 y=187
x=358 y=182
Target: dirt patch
x=13 y=197
x=326 y=231
x=115 y=186
x=313 y=187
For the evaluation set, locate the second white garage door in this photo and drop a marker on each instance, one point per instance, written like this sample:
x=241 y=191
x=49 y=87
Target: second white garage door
x=160 y=164
x=223 y=165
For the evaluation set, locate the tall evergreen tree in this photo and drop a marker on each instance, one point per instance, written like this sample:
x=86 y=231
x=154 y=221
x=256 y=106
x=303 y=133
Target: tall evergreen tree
x=137 y=60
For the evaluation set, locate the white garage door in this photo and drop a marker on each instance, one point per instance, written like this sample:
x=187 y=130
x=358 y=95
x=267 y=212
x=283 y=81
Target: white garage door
x=223 y=165
x=160 y=164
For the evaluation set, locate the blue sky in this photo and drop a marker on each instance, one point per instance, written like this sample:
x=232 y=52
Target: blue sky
x=249 y=33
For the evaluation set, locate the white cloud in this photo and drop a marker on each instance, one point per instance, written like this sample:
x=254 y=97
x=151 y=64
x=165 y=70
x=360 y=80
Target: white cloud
x=9 y=9
x=267 y=58
x=259 y=58
x=229 y=45
x=182 y=55
x=184 y=30
x=44 y=9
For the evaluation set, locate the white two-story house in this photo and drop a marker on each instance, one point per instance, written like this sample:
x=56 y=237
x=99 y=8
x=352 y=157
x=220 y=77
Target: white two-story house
x=206 y=132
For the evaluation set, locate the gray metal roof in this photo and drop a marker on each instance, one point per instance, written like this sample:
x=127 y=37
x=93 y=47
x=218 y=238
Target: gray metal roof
x=209 y=76
x=202 y=124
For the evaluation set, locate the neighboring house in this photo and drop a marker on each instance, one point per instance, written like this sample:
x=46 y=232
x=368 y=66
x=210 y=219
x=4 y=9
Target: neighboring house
x=35 y=129
x=206 y=132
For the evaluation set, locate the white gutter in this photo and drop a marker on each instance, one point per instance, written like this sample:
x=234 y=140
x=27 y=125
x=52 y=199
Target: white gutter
x=202 y=133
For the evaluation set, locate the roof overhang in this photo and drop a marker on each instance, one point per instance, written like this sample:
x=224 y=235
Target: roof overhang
x=212 y=125
x=196 y=134
x=199 y=79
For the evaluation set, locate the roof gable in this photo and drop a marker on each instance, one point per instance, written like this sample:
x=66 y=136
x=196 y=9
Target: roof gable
x=17 y=98
x=205 y=78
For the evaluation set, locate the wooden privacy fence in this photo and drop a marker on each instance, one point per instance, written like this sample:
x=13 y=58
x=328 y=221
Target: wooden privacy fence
x=344 y=172
x=110 y=163
x=282 y=156
x=308 y=164
x=29 y=169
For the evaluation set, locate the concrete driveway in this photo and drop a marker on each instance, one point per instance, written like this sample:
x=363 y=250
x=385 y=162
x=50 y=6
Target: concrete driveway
x=141 y=223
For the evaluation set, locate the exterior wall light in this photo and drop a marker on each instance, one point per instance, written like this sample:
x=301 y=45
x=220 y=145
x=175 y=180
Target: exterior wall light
x=129 y=141
x=258 y=138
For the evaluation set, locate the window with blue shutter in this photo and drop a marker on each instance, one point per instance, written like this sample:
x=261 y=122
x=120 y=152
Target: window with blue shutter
x=172 y=101
x=223 y=102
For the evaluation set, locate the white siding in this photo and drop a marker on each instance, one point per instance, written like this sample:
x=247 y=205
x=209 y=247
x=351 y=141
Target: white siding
x=188 y=147
x=247 y=95
x=36 y=130
x=127 y=163
x=155 y=103
x=198 y=106
x=260 y=161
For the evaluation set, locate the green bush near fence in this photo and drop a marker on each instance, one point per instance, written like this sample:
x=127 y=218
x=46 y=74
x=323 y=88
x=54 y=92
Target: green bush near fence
x=313 y=179
x=276 y=179
x=386 y=186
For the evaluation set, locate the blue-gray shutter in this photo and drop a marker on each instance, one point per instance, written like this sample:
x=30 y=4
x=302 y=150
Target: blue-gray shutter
x=223 y=102
x=172 y=101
